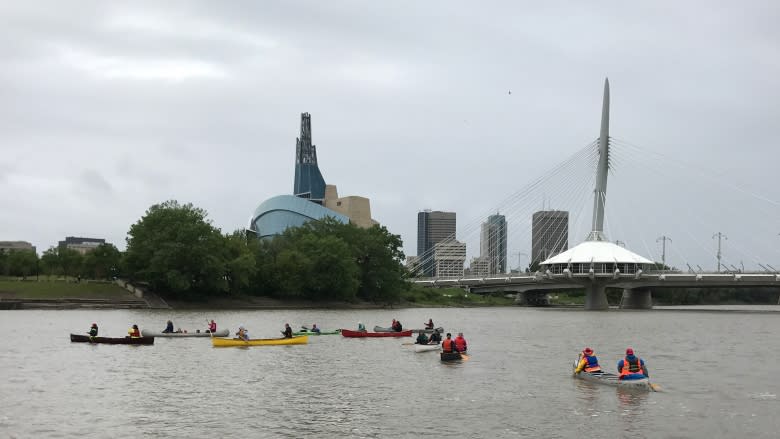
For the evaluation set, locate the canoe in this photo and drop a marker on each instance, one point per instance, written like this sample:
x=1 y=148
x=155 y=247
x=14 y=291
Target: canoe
x=451 y=356
x=611 y=379
x=219 y=333
x=77 y=338
x=230 y=342
x=414 y=331
x=426 y=347
x=322 y=332
x=358 y=334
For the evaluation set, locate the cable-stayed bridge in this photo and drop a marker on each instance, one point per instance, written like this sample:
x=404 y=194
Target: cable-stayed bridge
x=597 y=263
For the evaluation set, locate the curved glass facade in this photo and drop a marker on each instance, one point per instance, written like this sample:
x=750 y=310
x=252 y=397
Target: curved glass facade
x=274 y=215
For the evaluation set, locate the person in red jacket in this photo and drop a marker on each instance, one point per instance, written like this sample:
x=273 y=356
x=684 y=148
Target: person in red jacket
x=460 y=343
x=134 y=331
x=448 y=345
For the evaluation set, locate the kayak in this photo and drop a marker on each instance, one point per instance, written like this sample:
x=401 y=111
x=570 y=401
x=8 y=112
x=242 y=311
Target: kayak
x=426 y=347
x=414 y=331
x=322 y=332
x=451 y=356
x=77 y=338
x=219 y=333
x=230 y=342
x=611 y=379
x=358 y=334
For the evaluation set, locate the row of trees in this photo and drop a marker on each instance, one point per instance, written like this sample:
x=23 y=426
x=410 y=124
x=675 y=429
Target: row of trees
x=178 y=252
x=101 y=263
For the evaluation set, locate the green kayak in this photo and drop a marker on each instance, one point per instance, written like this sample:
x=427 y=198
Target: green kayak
x=322 y=332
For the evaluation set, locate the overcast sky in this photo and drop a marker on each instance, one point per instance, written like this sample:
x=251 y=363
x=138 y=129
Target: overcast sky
x=109 y=107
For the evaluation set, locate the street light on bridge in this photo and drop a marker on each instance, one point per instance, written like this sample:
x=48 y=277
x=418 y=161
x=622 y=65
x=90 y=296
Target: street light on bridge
x=720 y=236
x=663 y=239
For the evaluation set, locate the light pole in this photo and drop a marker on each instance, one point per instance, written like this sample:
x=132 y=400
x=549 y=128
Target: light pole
x=663 y=240
x=720 y=236
x=519 y=264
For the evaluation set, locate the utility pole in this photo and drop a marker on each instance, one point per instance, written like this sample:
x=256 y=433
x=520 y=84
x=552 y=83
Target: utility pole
x=519 y=263
x=720 y=236
x=663 y=240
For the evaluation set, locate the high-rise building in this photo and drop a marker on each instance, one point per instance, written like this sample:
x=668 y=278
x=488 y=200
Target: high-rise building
x=449 y=256
x=309 y=183
x=549 y=234
x=433 y=227
x=492 y=243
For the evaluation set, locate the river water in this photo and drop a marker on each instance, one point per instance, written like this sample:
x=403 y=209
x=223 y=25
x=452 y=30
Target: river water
x=717 y=371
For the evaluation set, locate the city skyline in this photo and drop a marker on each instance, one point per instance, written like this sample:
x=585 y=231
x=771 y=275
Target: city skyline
x=200 y=104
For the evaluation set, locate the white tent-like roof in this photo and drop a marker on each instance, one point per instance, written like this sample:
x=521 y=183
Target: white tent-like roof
x=597 y=252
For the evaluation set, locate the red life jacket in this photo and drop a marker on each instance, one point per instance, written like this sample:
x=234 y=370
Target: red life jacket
x=447 y=345
x=213 y=327
x=460 y=344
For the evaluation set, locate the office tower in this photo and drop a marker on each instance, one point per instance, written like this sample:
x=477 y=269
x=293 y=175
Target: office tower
x=492 y=243
x=433 y=227
x=549 y=234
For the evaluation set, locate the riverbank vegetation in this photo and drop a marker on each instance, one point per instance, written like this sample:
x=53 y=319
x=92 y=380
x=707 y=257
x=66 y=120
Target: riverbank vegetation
x=45 y=288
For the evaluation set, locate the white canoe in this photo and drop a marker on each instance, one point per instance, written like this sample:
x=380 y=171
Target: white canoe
x=611 y=379
x=218 y=333
x=426 y=347
x=440 y=330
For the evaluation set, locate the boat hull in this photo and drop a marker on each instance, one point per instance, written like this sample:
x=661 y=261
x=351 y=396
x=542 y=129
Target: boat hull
x=235 y=342
x=426 y=347
x=359 y=334
x=451 y=356
x=414 y=331
x=219 y=333
x=333 y=332
x=78 y=338
x=610 y=379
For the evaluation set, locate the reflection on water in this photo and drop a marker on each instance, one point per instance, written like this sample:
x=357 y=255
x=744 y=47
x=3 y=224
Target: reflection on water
x=517 y=381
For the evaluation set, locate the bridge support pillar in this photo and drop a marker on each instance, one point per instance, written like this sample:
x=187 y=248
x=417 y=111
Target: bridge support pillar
x=596 y=297
x=532 y=298
x=636 y=299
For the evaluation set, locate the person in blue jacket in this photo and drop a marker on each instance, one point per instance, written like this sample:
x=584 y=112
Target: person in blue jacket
x=632 y=367
x=168 y=327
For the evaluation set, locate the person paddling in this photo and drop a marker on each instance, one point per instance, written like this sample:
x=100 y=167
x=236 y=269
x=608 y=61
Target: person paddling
x=448 y=345
x=287 y=331
x=435 y=338
x=632 y=367
x=314 y=328
x=460 y=343
x=397 y=327
x=588 y=362
x=422 y=339
x=242 y=333
x=168 y=327
x=429 y=325
x=134 y=332
x=93 y=330
x=212 y=327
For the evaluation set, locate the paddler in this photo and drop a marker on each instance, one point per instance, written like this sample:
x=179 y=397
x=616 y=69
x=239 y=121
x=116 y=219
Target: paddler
x=287 y=331
x=429 y=325
x=632 y=367
x=212 y=326
x=93 y=330
x=168 y=327
x=242 y=333
x=134 y=332
x=588 y=362
x=460 y=343
x=422 y=338
x=448 y=345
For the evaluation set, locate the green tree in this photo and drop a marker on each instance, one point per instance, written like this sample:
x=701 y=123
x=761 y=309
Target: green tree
x=240 y=264
x=175 y=249
x=332 y=271
x=50 y=262
x=22 y=263
x=70 y=261
x=102 y=262
x=3 y=263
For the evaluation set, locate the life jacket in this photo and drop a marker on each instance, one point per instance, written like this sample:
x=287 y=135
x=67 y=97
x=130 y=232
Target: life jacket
x=632 y=368
x=134 y=332
x=592 y=364
x=460 y=344
x=213 y=327
x=448 y=345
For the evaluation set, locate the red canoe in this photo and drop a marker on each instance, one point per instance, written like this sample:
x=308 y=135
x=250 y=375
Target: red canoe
x=348 y=333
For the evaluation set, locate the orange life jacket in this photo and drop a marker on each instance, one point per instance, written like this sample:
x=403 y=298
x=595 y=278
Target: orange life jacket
x=448 y=345
x=632 y=368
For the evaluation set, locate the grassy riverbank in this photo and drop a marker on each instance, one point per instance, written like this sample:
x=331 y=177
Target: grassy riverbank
x=61 y=289
x=70 y=289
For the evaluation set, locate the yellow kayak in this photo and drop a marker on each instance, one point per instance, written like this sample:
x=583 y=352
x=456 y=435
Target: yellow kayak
x=228 y=342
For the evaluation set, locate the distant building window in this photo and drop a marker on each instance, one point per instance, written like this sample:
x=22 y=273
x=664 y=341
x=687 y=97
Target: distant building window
x=338 y=203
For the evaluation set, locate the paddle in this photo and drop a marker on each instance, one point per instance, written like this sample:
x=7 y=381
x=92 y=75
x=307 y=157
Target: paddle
x=464 y=357
x=654 y=387
x=579 y=357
